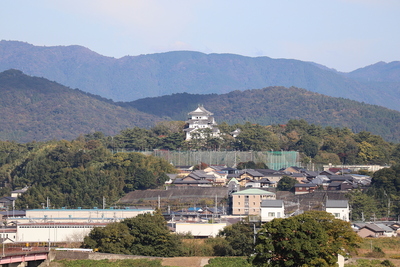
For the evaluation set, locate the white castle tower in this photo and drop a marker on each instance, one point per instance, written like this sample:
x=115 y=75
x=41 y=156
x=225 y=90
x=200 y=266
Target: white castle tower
x=201 y=119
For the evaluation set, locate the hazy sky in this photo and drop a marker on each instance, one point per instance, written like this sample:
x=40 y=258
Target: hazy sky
x=340 y=34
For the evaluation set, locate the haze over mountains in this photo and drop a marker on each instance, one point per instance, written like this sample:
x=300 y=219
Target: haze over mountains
x=134 y=77
x=35 y=108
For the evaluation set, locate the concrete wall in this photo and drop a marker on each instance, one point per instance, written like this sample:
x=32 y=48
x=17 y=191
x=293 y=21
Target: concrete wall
x=200 y=229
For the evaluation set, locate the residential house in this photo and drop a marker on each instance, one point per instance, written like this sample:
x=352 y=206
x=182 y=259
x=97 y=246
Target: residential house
x=7 y=202
x=230 y=170
x=339 y=208
x=252 y=174
x=300 y=189
x=253 y=183
x=321 y=180
x=389 y=232
x=271 y=209
x=184 y=169
x=233 y=185
x=19 y=192
x=327 y=173
x=195 y=178
x=371 y=230
x=333 y=186
x=274 y=178
x=293 y=169
x=248 y=201
x=301 y=178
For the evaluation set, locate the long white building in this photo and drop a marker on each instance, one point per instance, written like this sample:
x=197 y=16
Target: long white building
x=66 y=225
x=79 y=215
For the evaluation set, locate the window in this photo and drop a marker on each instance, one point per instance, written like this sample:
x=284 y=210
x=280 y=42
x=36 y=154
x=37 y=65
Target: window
x=337 y=215
x=271 y=214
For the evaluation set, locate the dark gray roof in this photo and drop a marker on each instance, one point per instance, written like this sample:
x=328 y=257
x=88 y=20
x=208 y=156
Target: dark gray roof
x=373 y=227
x=266 y=171
x=340 y=177
x=306 y=185
x=229 y=169
x=200 y=174
x=7 y=199
x=327 y=172
x=336 y=203
x=252 y=173
x=311 y=173
x=298 y=175
x=272 y=203
x=180 y=181
x=334 y=184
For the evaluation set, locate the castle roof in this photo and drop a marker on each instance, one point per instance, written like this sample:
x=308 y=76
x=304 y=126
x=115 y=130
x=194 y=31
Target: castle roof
x=200 y=110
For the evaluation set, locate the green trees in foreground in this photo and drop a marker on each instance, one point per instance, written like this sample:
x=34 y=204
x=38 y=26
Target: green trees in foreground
x=314 y=238
x=146 y=234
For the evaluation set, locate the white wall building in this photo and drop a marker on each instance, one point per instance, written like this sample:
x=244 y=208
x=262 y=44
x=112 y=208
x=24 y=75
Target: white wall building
x=201 y=119
x=199 y=229
x=79 y=215
x=339 y=208
x=54 y=232
x=271 y=209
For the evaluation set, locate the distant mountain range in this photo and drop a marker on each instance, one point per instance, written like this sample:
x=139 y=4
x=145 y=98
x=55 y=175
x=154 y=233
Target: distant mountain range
x=135 y=77
x=35 y=108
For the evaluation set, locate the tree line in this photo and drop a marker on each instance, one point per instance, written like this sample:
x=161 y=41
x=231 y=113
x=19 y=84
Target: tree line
x=320 y=145
x=80 y=172
x=314 y=238
x=76 y=173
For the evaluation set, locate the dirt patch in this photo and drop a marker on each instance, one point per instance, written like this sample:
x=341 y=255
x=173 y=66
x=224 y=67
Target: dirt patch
x=186 y=261
x=354 y=259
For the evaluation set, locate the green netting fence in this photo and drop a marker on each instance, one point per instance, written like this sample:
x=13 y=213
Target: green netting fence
x=273 y=159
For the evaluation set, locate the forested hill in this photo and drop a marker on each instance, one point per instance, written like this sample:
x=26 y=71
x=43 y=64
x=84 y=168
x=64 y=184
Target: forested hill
x=134 y=77
x=34 y=108
x=276 y=105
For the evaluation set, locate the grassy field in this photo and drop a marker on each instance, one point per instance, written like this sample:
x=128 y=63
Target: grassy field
x=373 y=252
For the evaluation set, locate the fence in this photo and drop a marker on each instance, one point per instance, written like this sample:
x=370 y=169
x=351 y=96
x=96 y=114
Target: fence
x=273 y=159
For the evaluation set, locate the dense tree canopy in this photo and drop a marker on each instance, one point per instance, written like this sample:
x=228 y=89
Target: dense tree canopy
x=80 y=173
x=286 y=183
x=316 y=143
x=239 y=237
x=314 y=238
x=146 y=234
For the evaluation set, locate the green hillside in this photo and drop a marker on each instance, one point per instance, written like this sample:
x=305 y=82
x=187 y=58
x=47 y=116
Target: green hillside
x=36 y=109
x=277 y=105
